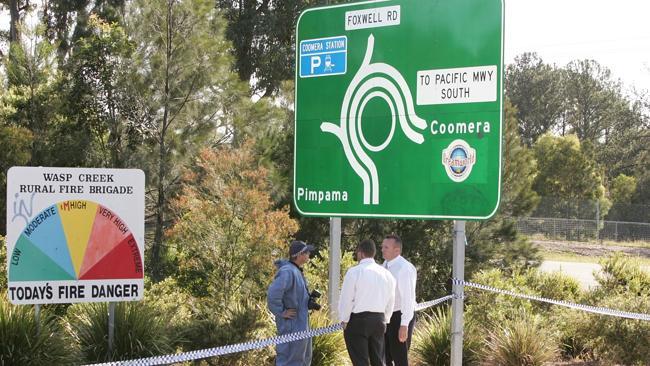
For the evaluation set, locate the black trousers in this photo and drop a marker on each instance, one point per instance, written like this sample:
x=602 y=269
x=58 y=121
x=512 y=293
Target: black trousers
x=396 y=351
x=364 y=338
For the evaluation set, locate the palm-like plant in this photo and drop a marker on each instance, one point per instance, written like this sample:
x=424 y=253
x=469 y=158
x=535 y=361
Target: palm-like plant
x=521 y=341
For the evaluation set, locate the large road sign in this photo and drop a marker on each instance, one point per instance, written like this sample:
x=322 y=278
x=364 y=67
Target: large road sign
x=399 y=109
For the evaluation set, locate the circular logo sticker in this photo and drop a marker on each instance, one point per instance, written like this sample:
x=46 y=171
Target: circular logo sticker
x=458 y=159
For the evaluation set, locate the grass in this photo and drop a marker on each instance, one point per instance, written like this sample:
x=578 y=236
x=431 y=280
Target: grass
x=572 y=257
x=629 y=244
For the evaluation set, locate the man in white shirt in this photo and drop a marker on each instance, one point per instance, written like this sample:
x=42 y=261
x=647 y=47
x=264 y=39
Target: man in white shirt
x=365 y=307
x=400 y=328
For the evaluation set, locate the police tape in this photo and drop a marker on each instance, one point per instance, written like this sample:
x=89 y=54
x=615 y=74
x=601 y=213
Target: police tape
x=587 y=308
x=247 y=346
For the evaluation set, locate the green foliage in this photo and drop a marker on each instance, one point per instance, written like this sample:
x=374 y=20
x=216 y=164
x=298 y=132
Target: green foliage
x=170 y=299
x=431 y=343
x=26 y=341
x=97 y=91
x=497 y=243
x=227 y=232
x=535 y=88
x=317 y=271
x=522 y=341
x=3 y=264
x=263 y=38
x=519 y=170
x=32 y=100
x=567 y=172
x=328 y=349
x=622 y=189
x=140 y=331
x=187 y=96
x=490 y=308
x=214 y=325
x=615 y=340
x=592 y=98
x=620 y=275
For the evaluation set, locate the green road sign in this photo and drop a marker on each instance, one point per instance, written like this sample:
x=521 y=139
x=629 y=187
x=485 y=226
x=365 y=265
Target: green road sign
x=399 y=109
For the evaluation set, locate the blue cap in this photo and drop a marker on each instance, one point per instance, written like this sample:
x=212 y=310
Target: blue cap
x=298 y=246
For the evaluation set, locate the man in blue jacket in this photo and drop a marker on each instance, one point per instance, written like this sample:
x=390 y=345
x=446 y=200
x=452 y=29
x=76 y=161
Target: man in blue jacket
x=287 y=299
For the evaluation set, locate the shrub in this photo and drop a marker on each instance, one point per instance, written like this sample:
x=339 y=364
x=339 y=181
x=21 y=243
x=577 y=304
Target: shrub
x=488 y=308
x=616 y=340
x=622 y=275
x=317 y=272
x=170 y=300
x=3 y=264
x=26 y=341
x=139 y=331
x=522 y=341
x=327 y=349
x=611 y=339
x=431 y=343
x=574 y=344
x=242 y=321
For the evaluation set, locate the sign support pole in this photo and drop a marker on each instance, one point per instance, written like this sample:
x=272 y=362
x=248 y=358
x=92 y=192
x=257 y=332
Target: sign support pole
x=334 y=267
x=111 y=328
x=458 y=273
x=37 y=315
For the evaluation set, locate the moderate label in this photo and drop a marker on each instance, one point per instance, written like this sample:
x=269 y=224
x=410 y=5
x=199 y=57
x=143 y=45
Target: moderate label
x=457 y=85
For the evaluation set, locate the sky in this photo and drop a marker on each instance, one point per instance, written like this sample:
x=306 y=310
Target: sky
x=616 y=34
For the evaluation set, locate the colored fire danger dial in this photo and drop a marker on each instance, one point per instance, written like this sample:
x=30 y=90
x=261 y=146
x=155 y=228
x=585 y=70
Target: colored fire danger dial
x=75 y=240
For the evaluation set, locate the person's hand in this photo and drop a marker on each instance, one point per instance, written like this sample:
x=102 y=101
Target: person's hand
x=403 y=333
x=344 y=324
x=289 y=314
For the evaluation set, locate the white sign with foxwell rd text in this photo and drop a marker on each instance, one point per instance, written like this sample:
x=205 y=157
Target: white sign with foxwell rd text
x=372 y=18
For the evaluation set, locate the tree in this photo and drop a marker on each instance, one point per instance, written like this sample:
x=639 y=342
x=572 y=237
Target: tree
x=568 y=172
x=536 y=89
x=32 y=99
x=17 y=11
x=592 y=97
x=181 y=77
x=59 y=17
x=227 y=231
x=16 y=143
x=622 y=189
x=98 y=97
x=262 y=33
x=519 y=170
x=624 y=148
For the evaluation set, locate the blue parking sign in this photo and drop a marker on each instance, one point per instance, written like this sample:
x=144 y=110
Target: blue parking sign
x=323 y=56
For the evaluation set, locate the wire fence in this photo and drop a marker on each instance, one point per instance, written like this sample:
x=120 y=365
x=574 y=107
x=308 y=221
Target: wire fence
x=585 y=220
x=583 y=230
x=591 y=210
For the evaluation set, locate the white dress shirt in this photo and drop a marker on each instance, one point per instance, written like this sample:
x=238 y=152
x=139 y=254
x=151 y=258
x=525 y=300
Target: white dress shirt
x=367 y=287
x=405 y=277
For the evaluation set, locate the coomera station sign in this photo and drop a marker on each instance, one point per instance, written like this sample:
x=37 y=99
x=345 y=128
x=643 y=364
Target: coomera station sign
x=399 y=109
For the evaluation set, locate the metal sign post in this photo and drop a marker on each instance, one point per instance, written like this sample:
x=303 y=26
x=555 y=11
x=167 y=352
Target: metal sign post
x=334 y=267
x=458 y=273
x=111 y=329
